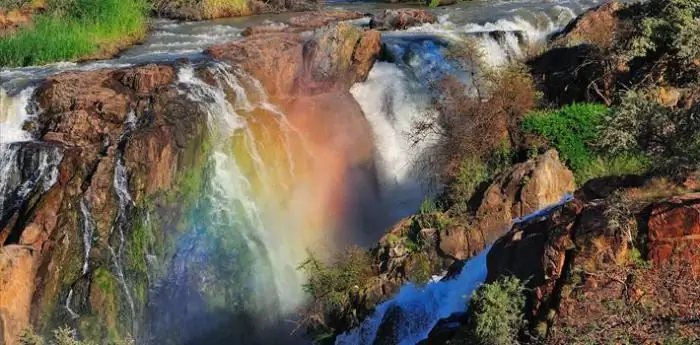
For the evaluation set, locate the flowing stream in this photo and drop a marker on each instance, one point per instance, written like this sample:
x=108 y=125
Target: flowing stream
x=279 y=183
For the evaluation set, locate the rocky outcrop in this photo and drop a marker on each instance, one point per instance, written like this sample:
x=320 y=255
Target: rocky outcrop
x=582 y=272
x=433 y=242
x=304 y=22
x=596 y=26
x=401 y=19
x=674 y=232
x=125 y=157
x=524 y=189
x=288 y=66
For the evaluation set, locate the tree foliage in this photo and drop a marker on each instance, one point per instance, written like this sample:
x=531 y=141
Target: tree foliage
x=498 y=311
x=669 y=136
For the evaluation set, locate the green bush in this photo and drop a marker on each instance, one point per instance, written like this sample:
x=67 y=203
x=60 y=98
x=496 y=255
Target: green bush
x=670 y=137
x=73 y=29
x=472 y=172
x=329 y=285
x=668 y=27
x=572 y=130
x=498 y=311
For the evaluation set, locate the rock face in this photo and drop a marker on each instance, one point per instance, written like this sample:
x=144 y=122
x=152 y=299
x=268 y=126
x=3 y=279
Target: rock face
x=596 y=26
x=288 y=66
x=674 y=232
x=304 y=22
x=401 y=19
x=581 y=271
x=524 y=189
x=124 y=154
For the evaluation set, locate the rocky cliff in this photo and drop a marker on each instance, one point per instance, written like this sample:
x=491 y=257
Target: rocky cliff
x=119 y=161
x=621 y=266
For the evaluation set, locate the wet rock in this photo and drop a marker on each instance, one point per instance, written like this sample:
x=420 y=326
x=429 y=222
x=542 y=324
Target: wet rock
x=303 y=22
x=401 y=19
x=287 y=65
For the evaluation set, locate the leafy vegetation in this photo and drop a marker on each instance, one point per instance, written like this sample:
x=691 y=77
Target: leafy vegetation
x=60 y=336
x=576 y=132
x=669 y=136
x=572 y=130
x=666 y=30
x=72 y=29
x=329 y=286
x=498 y=311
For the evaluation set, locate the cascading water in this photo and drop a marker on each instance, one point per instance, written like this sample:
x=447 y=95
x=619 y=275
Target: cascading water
x=392 y=103
x=25 y=166
x=271 y=190
x=415 y=310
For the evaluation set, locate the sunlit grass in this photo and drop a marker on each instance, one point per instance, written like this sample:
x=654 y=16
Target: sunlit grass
x=89 y=27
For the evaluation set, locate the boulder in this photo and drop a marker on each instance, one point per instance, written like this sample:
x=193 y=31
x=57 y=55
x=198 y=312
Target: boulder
x=212 y=9
x=401 y=19
x=523 y=189
x=596 y=26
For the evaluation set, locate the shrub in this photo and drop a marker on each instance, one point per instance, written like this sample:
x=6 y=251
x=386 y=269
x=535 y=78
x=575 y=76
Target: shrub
x=661 y=41
x=498 y=311
x=478 y=114
x=572 y=130
x=472 y=172
x=669 y=136
x=330 y=284
x=420 y=270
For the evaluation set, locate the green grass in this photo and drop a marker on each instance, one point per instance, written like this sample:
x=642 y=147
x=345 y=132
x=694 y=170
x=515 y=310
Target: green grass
x=571 y=129
x=79 y=29
x=599 y=166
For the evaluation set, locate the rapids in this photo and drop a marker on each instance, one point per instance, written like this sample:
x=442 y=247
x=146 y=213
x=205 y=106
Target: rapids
x=279 y=184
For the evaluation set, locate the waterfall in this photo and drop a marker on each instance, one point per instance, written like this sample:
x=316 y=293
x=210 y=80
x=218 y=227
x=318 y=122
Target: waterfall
x=393 y=102
x=26 y=166
x=417 y=309
x=422 y=307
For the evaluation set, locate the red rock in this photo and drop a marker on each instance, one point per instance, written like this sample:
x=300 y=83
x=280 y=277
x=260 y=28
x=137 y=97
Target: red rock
x=674 y=232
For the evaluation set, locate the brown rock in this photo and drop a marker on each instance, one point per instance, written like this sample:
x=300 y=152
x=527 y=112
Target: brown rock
x=287 y=65
x=525 y=188
x=674 y=232
x=18 y=266
x=303 y=22
x=275 y=60
x=401 y=19
x=596 y=26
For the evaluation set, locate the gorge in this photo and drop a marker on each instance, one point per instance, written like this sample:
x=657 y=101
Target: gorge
x=171 y=193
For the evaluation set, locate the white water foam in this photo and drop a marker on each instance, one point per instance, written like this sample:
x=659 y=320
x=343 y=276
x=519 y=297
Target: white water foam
x=392 y=104
x=13 y=116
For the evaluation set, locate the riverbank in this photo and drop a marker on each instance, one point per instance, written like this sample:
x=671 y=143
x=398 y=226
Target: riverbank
x=79 y=30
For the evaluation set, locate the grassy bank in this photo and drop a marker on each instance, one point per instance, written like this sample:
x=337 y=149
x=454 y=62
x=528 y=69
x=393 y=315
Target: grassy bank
x=74 y=29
